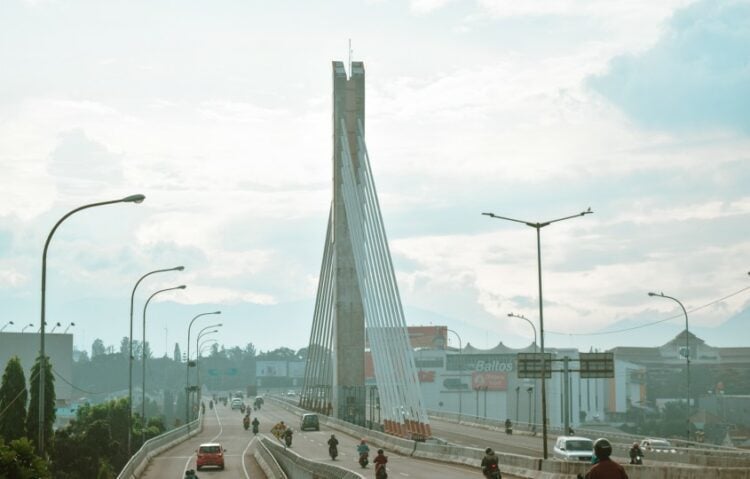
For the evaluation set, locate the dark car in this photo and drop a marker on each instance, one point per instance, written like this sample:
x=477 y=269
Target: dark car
x=310 y=421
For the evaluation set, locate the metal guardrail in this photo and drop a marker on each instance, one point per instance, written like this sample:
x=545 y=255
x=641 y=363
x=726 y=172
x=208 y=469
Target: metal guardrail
x=155 y=445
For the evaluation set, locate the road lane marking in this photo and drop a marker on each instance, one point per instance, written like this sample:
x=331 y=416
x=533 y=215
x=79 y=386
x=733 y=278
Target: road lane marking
x=221 y=430
x=244 y=469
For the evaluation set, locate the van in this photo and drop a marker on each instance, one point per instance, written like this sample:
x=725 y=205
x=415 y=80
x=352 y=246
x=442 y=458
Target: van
x=573 y=448
x=309 y=421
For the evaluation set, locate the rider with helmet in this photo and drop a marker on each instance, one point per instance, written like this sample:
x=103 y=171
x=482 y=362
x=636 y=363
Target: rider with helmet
x=490 y=463
x=605 y=468
x=636 y=454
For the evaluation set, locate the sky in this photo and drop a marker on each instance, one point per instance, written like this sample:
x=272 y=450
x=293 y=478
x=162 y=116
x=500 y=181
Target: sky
x=220 y=113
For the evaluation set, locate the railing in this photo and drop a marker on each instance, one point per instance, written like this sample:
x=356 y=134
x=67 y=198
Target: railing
x=267 y=461
x=156 y=445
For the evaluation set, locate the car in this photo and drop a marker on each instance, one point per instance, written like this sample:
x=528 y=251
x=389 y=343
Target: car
x=657 y=445
x=309 y=421
x=573 y=448
x=237 y=403
x=210 y=454
x=291 y=393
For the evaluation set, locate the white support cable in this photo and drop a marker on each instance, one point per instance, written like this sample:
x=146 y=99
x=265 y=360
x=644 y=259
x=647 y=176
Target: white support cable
x=389 y=274
x=392 y=355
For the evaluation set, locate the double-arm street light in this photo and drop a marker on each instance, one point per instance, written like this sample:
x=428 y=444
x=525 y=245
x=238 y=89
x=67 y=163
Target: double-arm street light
x=143 y=360
x=687 y=359
x=130 y=353
x=42 y=354
x=5 y=326
x=187 y=367
x=460 y=373
x=538 y=226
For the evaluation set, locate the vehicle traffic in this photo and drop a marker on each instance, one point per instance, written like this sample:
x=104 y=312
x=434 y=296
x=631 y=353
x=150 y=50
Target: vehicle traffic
x=309 y=421
x=210 y=454
x=573 y=448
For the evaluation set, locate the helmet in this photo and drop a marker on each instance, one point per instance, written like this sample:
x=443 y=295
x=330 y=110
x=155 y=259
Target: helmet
x=488 y=451
x=635 y=444
x=380 y=451
x=363 y=441
x=602 y=448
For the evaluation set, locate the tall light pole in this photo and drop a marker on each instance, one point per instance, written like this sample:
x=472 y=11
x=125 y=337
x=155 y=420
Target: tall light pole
x=42 y=353
x=30 y=325
x=201 y=333
x=687 y=360
x=57 y=325
x=460 y=373
x=143 y=360
x=187 y=367
x=6 y=325
x=68 y=327
x=130 y=353
x=538 y=226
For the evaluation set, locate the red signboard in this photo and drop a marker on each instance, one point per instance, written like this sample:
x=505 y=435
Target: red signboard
x=491 y=381
x=426 y=376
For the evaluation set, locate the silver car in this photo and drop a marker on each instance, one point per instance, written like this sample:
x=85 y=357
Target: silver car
x=573 y=448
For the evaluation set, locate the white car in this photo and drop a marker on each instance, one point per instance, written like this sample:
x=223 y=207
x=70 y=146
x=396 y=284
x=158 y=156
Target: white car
x=657 y=445
x=236 y=403
x=573 y=448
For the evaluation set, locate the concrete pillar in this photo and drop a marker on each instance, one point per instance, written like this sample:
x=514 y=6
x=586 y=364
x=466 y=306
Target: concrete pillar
x=349 y=318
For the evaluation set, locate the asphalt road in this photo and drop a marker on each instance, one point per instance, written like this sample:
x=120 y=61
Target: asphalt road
x=220 y=425
x=313 y=445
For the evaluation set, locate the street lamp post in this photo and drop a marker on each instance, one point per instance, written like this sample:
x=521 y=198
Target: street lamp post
x=42 y=354
x=68 y=327
x=187 y=367
x=460 y=373
x=687 y=359
x=538 y=226
x=201 y=333
x=30 y=325
x=521 y=316
x=57 y=325
x=143 y=360
x=6 y=325
x=130 y=353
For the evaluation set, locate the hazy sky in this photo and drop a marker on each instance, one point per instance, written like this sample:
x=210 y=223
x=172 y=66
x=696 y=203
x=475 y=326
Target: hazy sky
x=220 y=113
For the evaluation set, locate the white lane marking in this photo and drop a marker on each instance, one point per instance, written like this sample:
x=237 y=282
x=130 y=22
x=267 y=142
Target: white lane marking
x=221 y=430
x=244 y=469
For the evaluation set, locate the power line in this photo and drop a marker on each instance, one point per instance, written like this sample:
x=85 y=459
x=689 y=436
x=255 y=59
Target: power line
x=653 y=323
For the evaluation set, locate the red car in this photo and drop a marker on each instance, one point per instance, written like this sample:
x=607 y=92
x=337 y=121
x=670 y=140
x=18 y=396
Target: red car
x=210 y=454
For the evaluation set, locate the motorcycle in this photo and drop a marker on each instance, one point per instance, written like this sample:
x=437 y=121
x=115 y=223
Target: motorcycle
x=637 y=461
x=288 y=438
x=382 y=473
x=492 y=472
x=363 y=459
x=333 y=451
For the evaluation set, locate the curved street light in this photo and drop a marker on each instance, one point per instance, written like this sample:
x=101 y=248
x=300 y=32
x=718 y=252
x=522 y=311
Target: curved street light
x=42 y=354
x=197 y=355
x=687 y=358
x=460 y=373
x=6 y=325
x=187 y=367
x=68 y=327
x=143 y=358
x=538 y=226
x=521 y=316
x=130 y=352
x=57 y=325
x=30 y=325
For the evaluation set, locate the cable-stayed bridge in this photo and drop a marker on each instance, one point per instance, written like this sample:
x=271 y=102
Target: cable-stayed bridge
x=358 y=304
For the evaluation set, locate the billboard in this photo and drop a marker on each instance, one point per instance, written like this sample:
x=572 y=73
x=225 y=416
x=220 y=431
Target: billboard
x=490 y=381
x=501 y=363
x=266 y=369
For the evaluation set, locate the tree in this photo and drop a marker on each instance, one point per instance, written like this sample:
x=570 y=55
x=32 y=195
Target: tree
x=125 y=346
x=146 y=349
x=17 y=460
x=32 y=419
x=177 y=354
x=97 y=348
x=13 y=396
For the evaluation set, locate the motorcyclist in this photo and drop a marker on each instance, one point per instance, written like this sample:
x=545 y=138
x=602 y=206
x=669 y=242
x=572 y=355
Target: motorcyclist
x=287 y=435
x=256 y=424
x=605 y=468
x=333 y=444
x=278 y=429
x=190 y=474
x=636 y=454
x=380 y=462
x=246 y=421
x=363 y=450
x=490 y=463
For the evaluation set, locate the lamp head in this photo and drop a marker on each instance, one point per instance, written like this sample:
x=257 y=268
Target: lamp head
x=179 y=268
x=134 y=199
x=488 y=214
x=72 y=324
x=651 y=293
x=11 y=322
x=182 y=286
x=217 y=312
